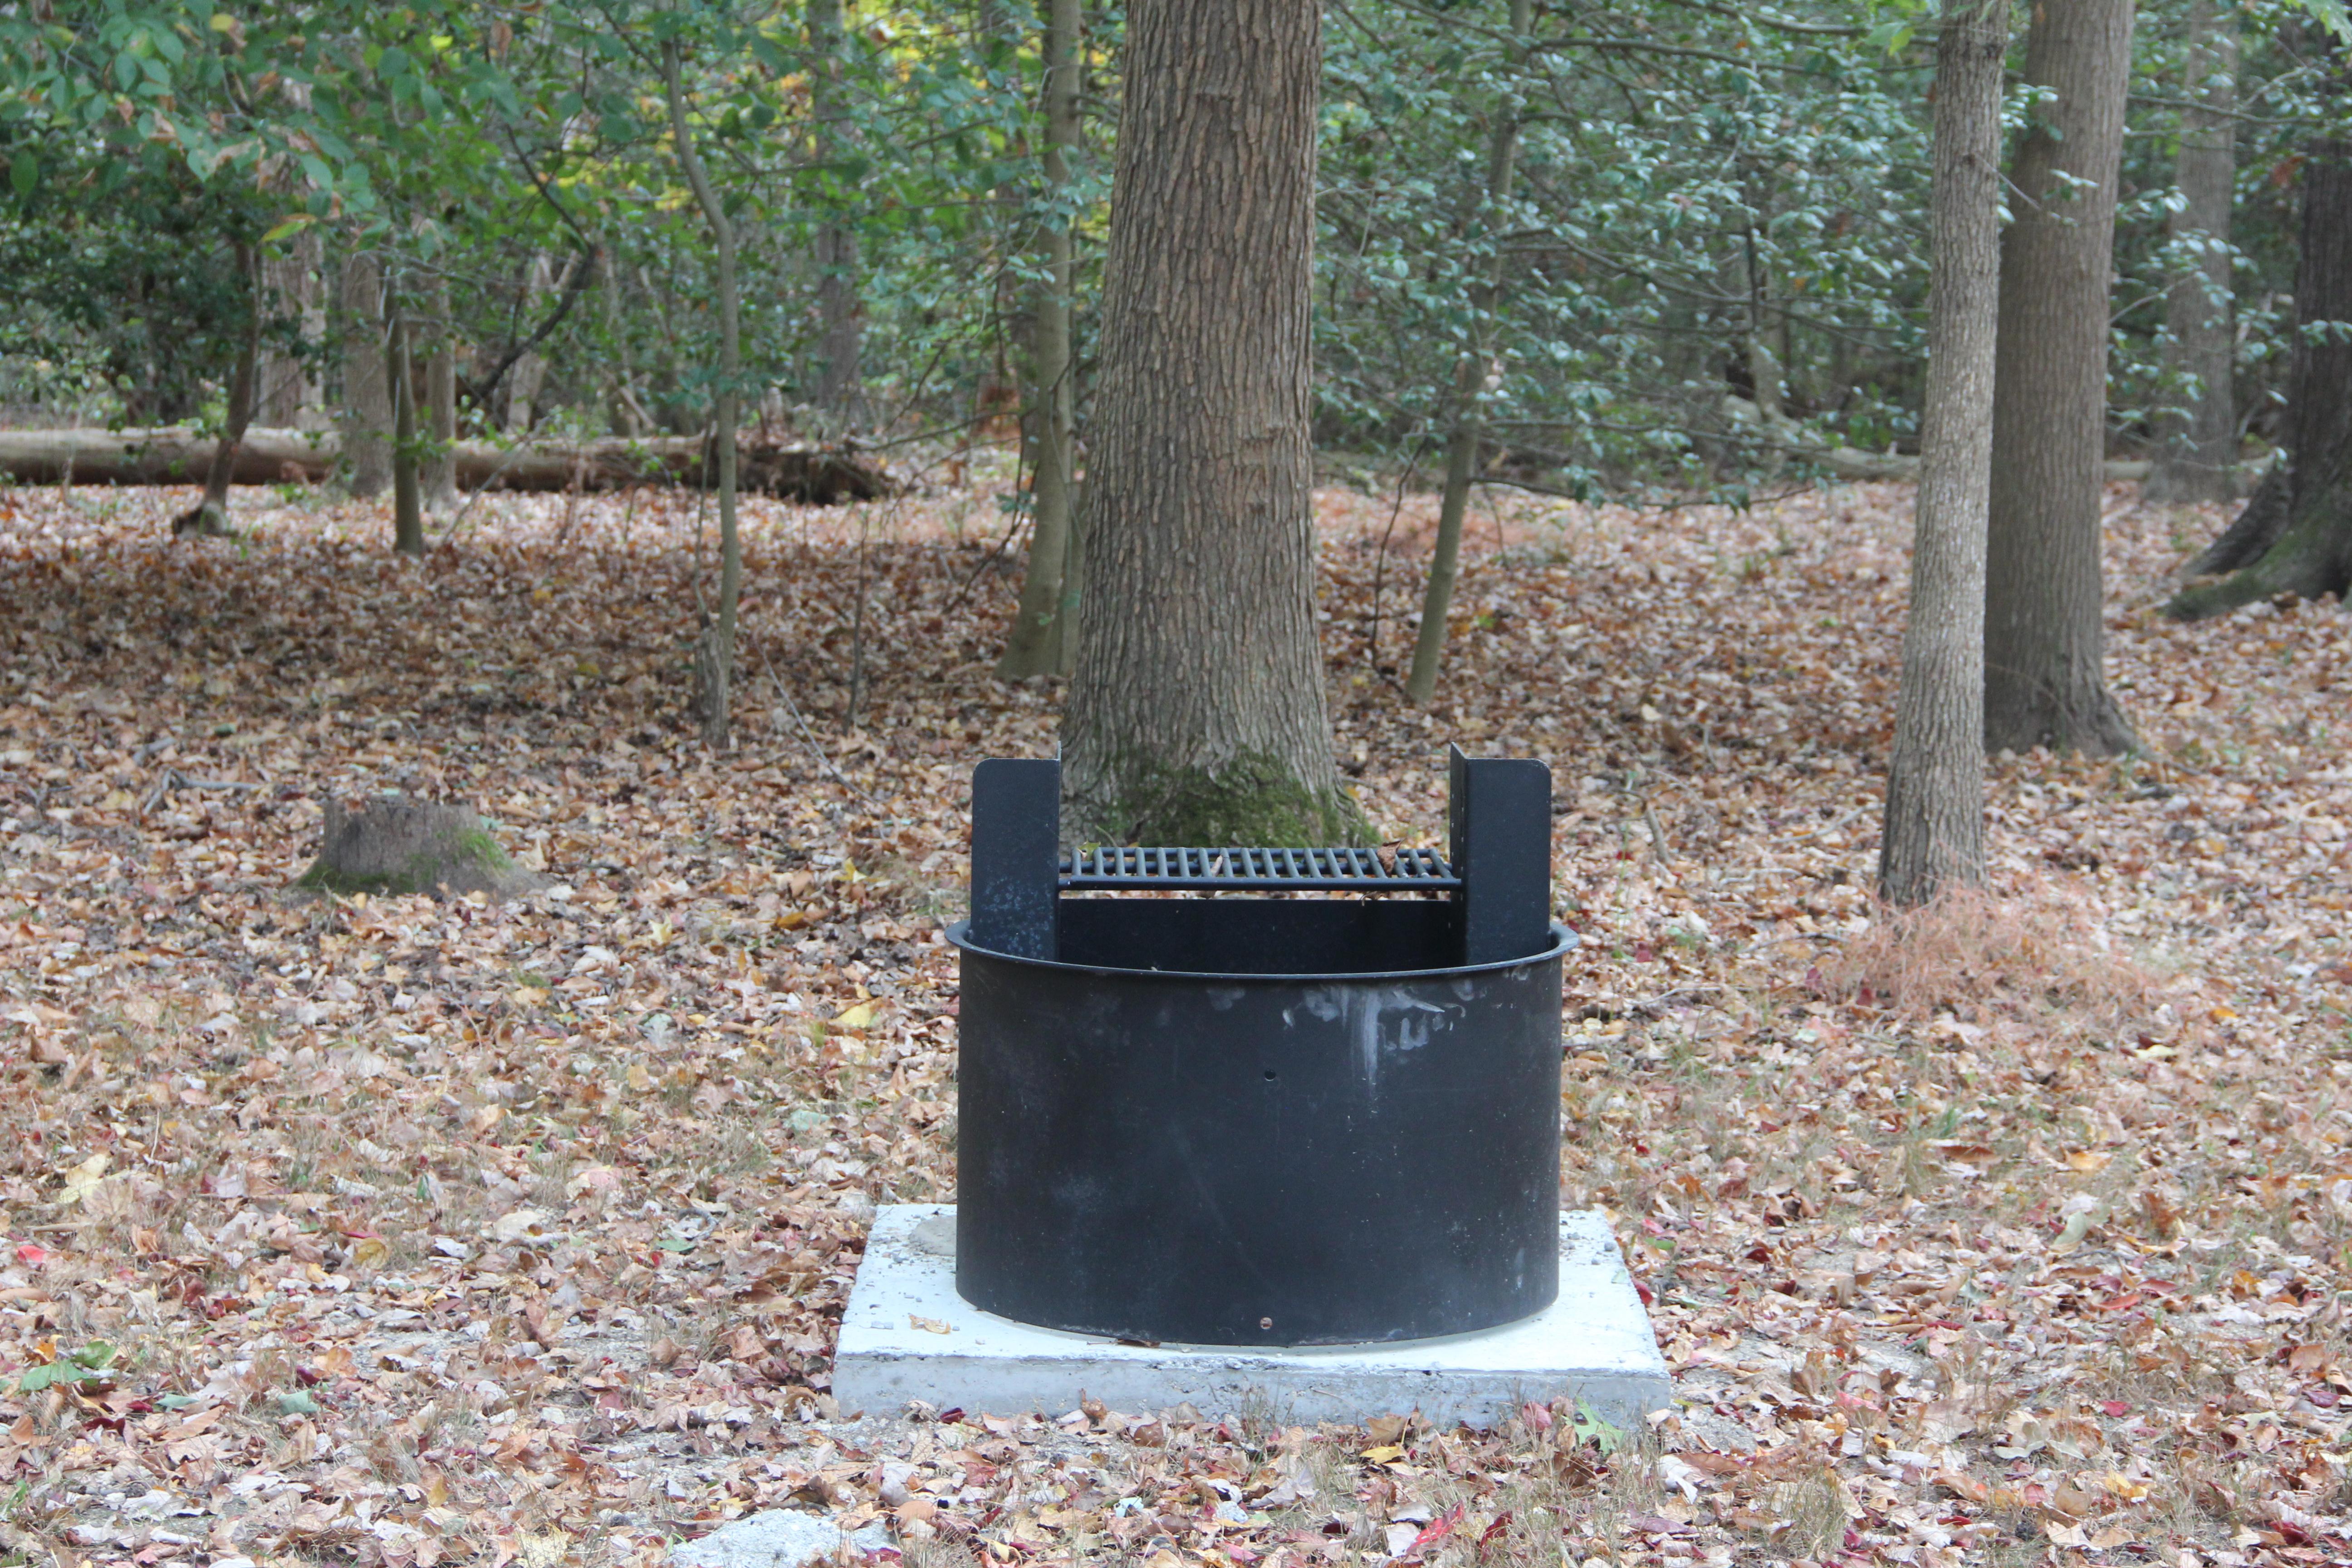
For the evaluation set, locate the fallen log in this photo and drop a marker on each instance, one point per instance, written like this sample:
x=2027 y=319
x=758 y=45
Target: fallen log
x=172 y=456
x=1847 y=463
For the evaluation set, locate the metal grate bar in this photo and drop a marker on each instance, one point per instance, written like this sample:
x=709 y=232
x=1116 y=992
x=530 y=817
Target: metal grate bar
x=1117 y=867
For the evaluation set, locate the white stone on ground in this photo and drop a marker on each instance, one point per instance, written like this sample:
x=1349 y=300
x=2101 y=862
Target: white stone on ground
x=776 y=1538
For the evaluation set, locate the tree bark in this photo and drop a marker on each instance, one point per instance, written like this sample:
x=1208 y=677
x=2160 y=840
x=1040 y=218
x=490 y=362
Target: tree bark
x=367 y=388
x=210 y=514
x=2196 y=443
x=407 y=499
x=1197 y=713
x=715 y=665
x=2310 y=554
x=841 y=314
x=1470 y=372
x=529 y=372
x=1041 y=642
x=2043 y=634
x=1934 y=836
x=287 y=395
x=437 y=468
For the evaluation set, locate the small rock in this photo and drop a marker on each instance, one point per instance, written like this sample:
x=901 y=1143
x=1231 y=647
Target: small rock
x=776 y=1538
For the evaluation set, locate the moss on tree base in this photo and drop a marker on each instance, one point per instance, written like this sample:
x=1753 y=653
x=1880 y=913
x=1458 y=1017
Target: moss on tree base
x=1251 y=800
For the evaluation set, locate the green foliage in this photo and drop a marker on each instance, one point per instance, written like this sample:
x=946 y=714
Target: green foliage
x=1595 y=1428
x=88 y=1364
x=1713 y=253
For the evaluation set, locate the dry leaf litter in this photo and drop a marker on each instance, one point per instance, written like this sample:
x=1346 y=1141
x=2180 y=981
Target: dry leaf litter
x=394 y=1232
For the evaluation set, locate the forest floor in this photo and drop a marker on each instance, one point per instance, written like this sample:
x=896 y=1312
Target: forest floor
x=388 y=1231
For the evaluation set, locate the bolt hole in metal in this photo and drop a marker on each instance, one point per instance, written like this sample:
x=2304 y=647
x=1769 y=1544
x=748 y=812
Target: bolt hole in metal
x=1270 y=1076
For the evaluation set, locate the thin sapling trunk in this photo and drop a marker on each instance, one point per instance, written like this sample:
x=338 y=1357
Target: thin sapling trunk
x=1470 y=374
x=717 y=664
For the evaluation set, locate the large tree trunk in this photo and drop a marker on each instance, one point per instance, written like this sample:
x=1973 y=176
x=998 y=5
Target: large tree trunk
x=437 y=468
x=210 y=515
x=1934 y=836
x=840 y=395
x=715 y=658
x=1041 y=642
x=2043 y=636
x=1197 y=713
x=367 y=386
x=2310 y=554
x=1470 y=372
x=2196 y=443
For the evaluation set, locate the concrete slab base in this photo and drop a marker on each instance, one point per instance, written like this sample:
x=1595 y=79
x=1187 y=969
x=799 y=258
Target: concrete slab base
x=907 y=1335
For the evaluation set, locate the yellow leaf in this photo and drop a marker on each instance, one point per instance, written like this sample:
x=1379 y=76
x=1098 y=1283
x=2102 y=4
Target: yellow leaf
x=928 y=1325
x=2088 y=1160
x=223 y=22
x=638 y=1077
x=84 y=1178
x=859 y=1016
x=370 y=1253
x=1385 y=1453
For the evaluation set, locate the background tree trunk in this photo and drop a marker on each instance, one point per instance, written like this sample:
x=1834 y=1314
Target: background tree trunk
x=2043 y=634
x=2197 y=444
x=287 y=394
x=367 y=386
x=1934 y=836
x=715 y=661
x=436 y=466
x=210 y=515
x=407 y=496
x=625 y=415
x=1470 y=374
x=840 y=396
x=529 y=372
x=1041 y=642
x=1197 y=713
x=2311 y=553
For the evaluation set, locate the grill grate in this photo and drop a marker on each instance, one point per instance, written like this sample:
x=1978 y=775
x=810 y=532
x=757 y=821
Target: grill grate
x=1329 y=870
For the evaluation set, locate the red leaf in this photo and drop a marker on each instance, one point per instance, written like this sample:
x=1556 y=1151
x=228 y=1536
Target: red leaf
x=1436 y=1530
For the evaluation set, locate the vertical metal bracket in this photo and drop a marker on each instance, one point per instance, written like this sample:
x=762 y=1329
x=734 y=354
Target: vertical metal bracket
x=1498 y=816
x=1016 y=827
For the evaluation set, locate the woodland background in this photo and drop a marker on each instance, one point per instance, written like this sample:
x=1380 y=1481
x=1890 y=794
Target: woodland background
x=388 y=1230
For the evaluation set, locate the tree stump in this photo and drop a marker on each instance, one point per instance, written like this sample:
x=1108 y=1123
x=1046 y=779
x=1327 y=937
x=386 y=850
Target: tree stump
x=390 y=844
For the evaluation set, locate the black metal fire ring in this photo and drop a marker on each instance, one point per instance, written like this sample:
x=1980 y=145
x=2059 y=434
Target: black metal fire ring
x=1298 y=1128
